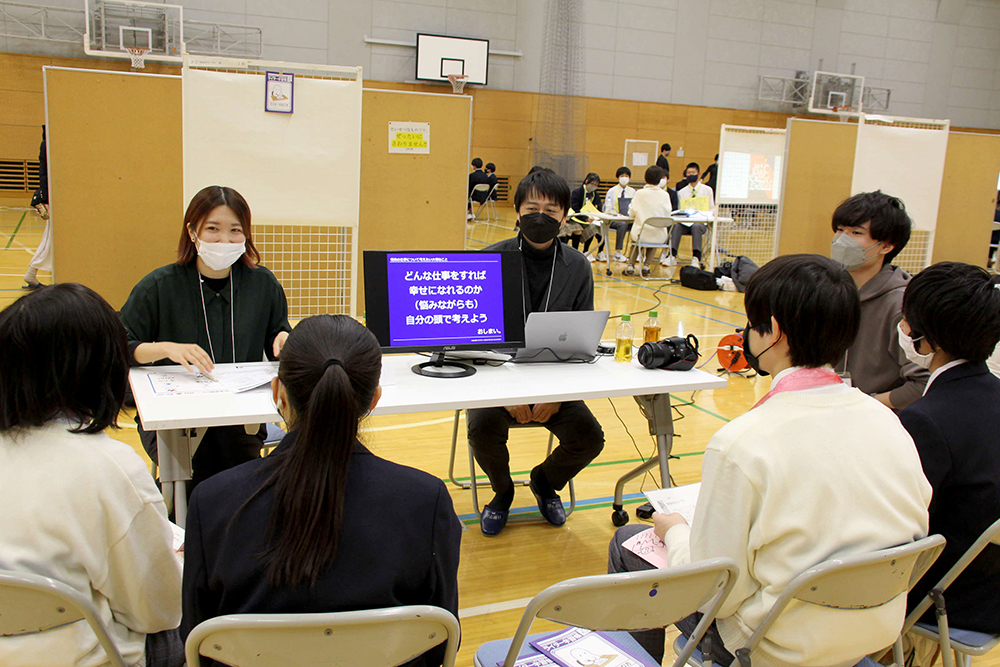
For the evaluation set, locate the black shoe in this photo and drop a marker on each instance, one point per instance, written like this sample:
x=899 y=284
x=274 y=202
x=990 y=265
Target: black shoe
x=32 y=286
x=493 y=521
x=549 y=506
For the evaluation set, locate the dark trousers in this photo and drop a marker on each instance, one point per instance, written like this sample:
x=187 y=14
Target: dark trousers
x=623 y=560
x=580 y=437
x=223 y=447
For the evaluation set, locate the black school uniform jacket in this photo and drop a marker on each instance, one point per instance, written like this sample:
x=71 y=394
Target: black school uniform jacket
x=955 y=428
x=398 y=545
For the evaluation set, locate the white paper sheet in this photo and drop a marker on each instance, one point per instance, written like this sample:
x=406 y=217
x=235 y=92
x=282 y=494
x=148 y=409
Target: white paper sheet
x=680 y=499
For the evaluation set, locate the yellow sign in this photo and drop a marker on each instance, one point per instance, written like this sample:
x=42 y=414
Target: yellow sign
x=407 y=137
x=697 y=203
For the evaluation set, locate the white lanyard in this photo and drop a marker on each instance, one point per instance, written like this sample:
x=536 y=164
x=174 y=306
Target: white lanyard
x=204 y=311
x=552 y=274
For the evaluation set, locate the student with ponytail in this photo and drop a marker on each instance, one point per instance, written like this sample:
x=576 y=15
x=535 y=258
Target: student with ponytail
x=321 y=524
x=951 y=323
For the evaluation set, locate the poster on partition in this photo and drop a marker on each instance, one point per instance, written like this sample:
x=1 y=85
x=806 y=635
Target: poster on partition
x=406 y=137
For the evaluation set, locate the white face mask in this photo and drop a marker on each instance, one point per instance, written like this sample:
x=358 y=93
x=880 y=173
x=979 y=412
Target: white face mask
x=663 y=182
x=219 y=256
x=623 y=181
x=910 y=350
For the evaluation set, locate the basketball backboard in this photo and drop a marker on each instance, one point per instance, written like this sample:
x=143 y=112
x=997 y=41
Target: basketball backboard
x=112 y=26
x=834 y=93
x=441 y=55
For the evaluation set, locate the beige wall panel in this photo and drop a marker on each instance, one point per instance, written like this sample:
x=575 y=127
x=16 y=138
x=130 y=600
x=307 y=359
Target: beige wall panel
x=20 y=142
x=503 y=133
x=612 y=113
x=709 y=119
x=820 y=166
x=607 y=140
x=511 y=162
x=968 y=198
x=22 y=73
x=669 y=117
x=433 y=194
x=22 y=108
x=504 y=105
x=115 y=177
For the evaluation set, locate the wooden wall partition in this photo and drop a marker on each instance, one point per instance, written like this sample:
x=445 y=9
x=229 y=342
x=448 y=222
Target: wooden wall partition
x=413 y=202
x=968 y=198
x=818 y=177
x=115 y=168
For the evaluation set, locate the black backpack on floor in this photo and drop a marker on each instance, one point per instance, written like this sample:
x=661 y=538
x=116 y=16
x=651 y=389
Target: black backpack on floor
x=695 y=278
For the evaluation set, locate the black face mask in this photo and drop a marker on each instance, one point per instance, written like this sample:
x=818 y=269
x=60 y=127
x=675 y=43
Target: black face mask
x=753 y=359
x=691 y=178
x=539 y=227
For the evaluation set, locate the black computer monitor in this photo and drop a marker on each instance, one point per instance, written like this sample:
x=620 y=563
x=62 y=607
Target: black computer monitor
x=441 y=301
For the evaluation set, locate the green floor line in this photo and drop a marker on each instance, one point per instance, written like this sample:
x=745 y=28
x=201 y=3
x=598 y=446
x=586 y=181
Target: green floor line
x=11 y=239
x=472 y=521
x=698 y=407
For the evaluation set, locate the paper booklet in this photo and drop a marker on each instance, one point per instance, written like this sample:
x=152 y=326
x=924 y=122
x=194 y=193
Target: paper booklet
x=680 y=499
x=647 y=546
x=577 y=647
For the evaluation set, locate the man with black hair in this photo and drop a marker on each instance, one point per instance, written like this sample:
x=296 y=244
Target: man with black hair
x=556 y=278
x=688 y=188
x=950 y=325
x=617 y=202
x=477 y=177
x=711 y=175
x=491 y=179
x=815 y=470
x=870 y=229
x=662 y=162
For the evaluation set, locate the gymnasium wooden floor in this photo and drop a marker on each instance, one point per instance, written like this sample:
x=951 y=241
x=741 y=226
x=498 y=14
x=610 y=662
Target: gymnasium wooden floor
x=498 y=575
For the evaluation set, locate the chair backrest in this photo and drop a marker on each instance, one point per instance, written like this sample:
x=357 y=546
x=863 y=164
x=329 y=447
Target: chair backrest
x=633 y=601
x=366 y=638
x=861 y=581
x=33 y=603
x=659 y=222
x=990 y=535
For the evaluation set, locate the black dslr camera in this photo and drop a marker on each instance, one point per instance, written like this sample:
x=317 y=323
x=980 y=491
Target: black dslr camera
x=672 y=354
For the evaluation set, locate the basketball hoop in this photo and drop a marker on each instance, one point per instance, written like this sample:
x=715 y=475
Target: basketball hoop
x=138 y=55
x=457 y=82
x=844 y=110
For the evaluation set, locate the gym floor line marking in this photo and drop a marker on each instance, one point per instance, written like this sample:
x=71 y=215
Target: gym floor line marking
x=587 y=504
x=686 y=298
x=493 y=608
x=676 y=307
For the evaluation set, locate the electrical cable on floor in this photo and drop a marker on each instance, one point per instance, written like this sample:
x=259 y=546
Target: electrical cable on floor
x=640 y=312
x=634 y=444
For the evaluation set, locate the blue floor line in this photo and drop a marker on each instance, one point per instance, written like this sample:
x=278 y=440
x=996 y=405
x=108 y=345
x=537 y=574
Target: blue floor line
x=579 y=504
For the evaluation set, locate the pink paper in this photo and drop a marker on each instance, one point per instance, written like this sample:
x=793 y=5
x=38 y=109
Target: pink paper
x=649 y=547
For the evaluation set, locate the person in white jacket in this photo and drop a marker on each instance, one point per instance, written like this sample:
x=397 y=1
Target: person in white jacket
x=79 y=506
x=815 y=470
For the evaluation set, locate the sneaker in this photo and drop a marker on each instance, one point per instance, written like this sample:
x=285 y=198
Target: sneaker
x=695 y=262
x=629 y=270
x=591 y=258
x=468 y=216
x=645 y=270
x=669 y=260
x=601 y=257
x=618 y=257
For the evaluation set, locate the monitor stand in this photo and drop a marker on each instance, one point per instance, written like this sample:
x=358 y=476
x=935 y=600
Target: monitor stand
x=437 y=367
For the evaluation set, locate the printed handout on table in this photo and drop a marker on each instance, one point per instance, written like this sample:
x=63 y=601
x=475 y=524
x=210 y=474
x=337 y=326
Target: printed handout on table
x=182 y=382
x=238 y=379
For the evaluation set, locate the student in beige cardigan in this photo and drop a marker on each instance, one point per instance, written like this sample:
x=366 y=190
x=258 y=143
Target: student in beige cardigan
x=652 y=201
x=814 y=471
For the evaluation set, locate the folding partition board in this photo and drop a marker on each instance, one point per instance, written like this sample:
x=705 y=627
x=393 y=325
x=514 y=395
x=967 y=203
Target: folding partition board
x=115 y=176
x=904 y=157
x=299 y=171
x=968 y=198
x=818 y=167
x=414 y=201
x=751 y=165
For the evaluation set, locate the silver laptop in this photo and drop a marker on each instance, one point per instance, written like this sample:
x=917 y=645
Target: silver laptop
x=562 y=336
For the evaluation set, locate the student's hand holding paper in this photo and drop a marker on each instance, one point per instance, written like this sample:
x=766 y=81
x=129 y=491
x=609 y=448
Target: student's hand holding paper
x=664 y=522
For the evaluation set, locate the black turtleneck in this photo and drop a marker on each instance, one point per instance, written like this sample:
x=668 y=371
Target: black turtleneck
x=538 y=270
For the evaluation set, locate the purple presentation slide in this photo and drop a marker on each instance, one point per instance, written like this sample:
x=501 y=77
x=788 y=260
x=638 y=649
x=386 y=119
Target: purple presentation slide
x=444 y=299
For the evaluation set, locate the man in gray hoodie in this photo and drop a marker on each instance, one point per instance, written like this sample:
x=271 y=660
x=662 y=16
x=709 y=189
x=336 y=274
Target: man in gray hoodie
x=870 y=229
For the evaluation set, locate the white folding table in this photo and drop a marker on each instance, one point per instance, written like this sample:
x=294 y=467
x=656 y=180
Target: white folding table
x=179 y=421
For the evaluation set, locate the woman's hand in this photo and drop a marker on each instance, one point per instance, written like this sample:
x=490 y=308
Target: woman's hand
x=279 y=342
x=190 y=356
x=664 y=522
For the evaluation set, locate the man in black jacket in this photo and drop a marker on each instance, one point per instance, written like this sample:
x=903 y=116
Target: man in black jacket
x=477 y=177
x=662 y=162
x=556 y=278
x=951 y=323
